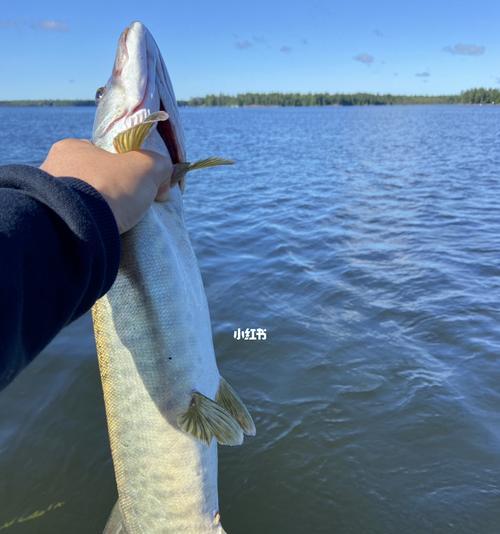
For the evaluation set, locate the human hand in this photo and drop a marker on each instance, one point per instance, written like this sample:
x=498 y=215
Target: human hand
x=129 y=182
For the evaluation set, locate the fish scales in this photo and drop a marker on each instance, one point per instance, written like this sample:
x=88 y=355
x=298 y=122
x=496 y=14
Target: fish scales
x=144 y=362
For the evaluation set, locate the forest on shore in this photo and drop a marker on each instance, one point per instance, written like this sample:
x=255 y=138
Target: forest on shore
x=472 y=96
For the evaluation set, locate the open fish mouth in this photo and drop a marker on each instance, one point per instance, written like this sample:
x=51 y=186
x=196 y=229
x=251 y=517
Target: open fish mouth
x=139 y=86
x=167 y=135
x=139 y=100
x=137 y=44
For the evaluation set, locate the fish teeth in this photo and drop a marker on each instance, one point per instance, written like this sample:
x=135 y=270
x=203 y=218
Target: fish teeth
x=137 y=118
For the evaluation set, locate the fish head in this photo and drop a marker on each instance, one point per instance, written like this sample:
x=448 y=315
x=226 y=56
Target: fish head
x=139 y=85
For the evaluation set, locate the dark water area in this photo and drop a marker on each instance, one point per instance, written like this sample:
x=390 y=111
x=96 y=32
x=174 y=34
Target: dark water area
x=367 y=242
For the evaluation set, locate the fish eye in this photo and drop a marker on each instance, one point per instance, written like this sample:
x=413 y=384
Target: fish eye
x=99 y=94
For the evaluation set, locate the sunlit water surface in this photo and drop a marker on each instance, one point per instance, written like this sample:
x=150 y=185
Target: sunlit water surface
x=367 y=242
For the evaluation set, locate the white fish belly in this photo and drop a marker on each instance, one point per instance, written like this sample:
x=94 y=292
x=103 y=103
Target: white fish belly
x=155 y=348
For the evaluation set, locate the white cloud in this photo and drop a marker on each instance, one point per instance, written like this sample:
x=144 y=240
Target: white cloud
x=463 y=49
x=243 y=44
x=367 y=59
x=51 y=26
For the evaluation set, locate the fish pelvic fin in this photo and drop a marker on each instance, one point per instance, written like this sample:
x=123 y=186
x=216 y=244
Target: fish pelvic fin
x=134 y=137
x=230 y=401
x=205 y=419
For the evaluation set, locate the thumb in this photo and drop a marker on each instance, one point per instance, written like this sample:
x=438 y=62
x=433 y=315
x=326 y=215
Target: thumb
x=177 y=177
x=161 y=173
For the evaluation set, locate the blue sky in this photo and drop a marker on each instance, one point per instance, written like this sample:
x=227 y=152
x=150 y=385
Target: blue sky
x=65 y=49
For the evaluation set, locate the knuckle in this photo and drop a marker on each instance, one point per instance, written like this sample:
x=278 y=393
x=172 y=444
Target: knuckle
x=58 y=146
x=63 y=144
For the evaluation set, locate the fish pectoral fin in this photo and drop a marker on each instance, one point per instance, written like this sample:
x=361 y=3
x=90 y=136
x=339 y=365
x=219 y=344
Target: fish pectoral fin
x=205 y=419
x=133 y=138
x=181 y=169
x=230 y=401
x=214 y=161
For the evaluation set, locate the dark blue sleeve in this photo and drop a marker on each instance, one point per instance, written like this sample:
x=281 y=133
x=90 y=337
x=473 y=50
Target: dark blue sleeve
x=59 y=252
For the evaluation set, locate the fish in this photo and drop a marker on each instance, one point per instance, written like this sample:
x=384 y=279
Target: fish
x=167 y=406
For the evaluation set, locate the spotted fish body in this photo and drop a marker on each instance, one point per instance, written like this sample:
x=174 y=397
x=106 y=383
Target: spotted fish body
x=166 y=404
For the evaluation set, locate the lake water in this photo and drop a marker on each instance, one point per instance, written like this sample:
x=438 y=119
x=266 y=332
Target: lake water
x=367 y=242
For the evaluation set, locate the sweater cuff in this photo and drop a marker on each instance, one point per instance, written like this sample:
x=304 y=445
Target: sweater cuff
x=83 y=209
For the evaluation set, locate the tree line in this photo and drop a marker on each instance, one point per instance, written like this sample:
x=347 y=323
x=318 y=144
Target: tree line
x=472 y=96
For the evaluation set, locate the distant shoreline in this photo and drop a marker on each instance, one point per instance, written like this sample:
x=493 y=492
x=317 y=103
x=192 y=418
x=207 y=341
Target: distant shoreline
x=471 y=96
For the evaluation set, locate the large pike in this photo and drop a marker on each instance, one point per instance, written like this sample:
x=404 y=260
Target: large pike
x=166 y=404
